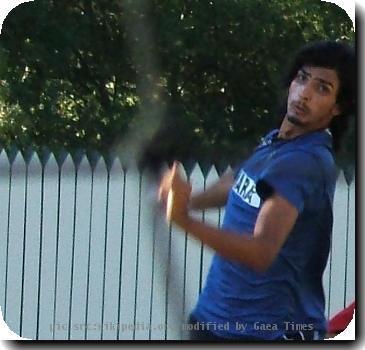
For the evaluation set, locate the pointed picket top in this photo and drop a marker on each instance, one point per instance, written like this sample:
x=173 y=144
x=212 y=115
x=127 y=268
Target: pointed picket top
x=114 y=165
x=100 y=167
x=34 y=164
x=4 y=166
x=129 y=167
x=83 y=165
x=340 y=195
x=352 y=185
x=197 y=178
x=341 y=181
x=18 y=165
x=128 y=161
x=212 y=176
x=196 y=169
x=349 y=173
x=4 y=159
x=67 y=165
x=228 y=168
x=51 y=166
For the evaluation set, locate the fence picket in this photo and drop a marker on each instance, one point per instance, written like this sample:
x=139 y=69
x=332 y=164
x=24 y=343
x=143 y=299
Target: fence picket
x=96 y=253
x=350 y=272
x=193 y=254
x=129 y=258
x=4 y=212
x=160 y=266
x=64 y=259
x=326 y=280
x=48 y=249
x=338 y=247
x=32 y=247
x=113 y=251
x=175 y=292
x=14 y=273
x=212 y=217
x=76 y=327
x=145 y=256
x=159 y=281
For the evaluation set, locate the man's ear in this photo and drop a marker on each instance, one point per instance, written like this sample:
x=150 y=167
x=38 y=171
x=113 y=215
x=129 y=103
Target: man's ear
x=336 y=110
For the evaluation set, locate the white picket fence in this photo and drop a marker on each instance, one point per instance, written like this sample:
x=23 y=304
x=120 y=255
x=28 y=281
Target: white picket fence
x=85 y=254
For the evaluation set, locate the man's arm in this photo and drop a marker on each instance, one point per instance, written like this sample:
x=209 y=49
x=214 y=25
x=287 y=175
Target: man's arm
x=275 y=221
x=214 y=196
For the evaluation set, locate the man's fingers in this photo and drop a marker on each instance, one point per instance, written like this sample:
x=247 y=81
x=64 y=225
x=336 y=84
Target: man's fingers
x=169 y=204
x=164 y=189
x=176 y=177
x=172 y=181
x=175 y=164
x=167 y=181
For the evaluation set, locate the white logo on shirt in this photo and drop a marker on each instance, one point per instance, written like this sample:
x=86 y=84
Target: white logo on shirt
x=245 y=187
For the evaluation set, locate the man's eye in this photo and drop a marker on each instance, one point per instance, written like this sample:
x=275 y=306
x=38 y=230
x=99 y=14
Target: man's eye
x=323 y=88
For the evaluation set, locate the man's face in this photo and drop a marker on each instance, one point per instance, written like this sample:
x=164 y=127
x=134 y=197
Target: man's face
x=312 y=98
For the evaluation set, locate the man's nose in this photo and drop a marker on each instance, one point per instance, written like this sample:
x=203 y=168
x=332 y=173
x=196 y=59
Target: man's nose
x=305 y=92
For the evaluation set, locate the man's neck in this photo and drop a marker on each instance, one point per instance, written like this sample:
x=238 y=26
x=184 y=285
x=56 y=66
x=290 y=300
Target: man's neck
x=288 y=130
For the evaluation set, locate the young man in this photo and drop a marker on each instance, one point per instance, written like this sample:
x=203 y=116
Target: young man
x=265 y=282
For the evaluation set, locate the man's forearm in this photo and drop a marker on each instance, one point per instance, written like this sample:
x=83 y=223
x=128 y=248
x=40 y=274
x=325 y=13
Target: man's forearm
x=212 y=198
x=250 y=250
x=215 y=196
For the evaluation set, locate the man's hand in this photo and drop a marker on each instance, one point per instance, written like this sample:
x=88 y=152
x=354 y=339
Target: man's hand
x=174 y=193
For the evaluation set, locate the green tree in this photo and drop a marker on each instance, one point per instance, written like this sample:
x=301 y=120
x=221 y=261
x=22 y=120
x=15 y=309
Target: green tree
x=184 y=79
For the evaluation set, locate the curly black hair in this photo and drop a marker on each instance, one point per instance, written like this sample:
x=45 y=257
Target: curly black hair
x=340 y=57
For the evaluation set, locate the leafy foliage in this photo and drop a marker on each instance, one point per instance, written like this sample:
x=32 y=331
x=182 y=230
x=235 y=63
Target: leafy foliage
x=184 y=79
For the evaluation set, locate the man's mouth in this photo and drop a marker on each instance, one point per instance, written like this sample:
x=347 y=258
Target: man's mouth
x=300 y=108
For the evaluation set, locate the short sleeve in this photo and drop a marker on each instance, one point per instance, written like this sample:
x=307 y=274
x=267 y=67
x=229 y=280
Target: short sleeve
x=295 y=176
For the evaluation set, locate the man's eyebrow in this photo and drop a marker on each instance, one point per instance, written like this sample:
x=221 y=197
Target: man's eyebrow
x=319 y=79
x=304 y=71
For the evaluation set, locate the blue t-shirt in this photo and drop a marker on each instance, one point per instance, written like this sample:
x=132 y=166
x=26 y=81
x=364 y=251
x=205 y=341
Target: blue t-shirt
x=236 y=300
